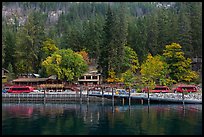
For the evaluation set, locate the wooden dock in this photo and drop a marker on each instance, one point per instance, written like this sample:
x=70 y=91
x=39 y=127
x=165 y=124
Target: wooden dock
x=141 y=99
x=10 y=97
x=53 y=97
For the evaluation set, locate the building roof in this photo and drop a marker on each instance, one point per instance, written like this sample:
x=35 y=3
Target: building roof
x=30 y=79
x=91 y=73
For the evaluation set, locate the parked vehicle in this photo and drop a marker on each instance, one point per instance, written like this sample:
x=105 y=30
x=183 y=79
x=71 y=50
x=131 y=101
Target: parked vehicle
x=5 y=89
x=20 y=89
x=158 y=89
x=121 y=92
x=94 y=92
x=186 y=88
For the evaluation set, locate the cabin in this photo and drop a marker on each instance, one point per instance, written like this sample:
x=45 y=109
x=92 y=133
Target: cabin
x=90 y=78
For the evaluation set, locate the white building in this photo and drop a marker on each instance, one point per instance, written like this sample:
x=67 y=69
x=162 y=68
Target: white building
x=90 y=78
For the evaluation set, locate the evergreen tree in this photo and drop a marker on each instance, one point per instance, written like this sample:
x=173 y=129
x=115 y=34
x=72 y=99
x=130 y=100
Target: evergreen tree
x=92 y=36
x=185 y=31
x=11 y=72
x=3 y=50
x=174 y=26
x=140 y=45
x=107 y=47
x=9 y=43
x=114 y=40
x=29 y=40
x=152 y=34
x=121 y=37
x=164 y=27
x=196 y=25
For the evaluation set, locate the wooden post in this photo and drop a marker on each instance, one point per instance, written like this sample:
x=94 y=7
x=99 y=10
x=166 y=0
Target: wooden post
x=141 y=101
x=183 y=96
x=80 y=94
x=112 y=95
x=18 y=99
x=113 y=107
x=148 y=95
x=129 y=96
x=112 y=99
x=44 y=98
x=76 y=94
x=148 y=108
x=123 y=101
x=87 y=94
x=102 y=94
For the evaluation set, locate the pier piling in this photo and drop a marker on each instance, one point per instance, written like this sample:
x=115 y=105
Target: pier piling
x=129 y=98
x=102 y=94
x=112 y=95
x=123 y=101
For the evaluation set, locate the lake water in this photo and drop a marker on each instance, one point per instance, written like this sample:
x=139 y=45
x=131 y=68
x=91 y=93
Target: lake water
x=101 y=119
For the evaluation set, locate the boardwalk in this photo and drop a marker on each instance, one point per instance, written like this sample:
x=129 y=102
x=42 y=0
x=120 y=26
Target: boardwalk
x=193 y=98
x=51 y=97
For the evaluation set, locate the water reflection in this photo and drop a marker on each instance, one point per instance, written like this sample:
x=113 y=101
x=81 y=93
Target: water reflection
x=101 y=119
x=18 y=110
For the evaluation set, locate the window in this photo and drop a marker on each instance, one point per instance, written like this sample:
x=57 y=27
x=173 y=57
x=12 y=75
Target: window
x=95 y=77
x=88 y=77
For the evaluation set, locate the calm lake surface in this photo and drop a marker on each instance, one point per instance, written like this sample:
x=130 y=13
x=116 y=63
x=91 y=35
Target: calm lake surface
x=101 y=119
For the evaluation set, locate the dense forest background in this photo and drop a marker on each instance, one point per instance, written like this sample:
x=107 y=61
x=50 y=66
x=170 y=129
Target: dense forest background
x=146 y=27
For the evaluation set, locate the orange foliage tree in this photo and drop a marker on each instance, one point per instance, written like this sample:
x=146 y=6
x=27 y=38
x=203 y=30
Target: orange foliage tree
x=85 y=56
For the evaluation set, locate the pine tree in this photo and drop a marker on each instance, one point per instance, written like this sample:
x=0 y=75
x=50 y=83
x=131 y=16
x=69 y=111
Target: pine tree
x=174 y=25
x=106 y=54
x=185 y=30
x=152 y=34
x=164 y=27
x=29 y=42
x=11 y=72
x=121 y=37
x=92 y=36
x=196 y=25
x=9 y=43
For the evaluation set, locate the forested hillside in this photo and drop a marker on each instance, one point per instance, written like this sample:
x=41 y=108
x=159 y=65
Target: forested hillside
x=99 y=28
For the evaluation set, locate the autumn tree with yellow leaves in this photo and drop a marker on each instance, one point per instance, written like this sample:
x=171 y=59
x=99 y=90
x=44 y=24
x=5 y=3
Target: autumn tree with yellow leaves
x=179 y=66
x=49 y=47
x=66 y=64
x=154 y=71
